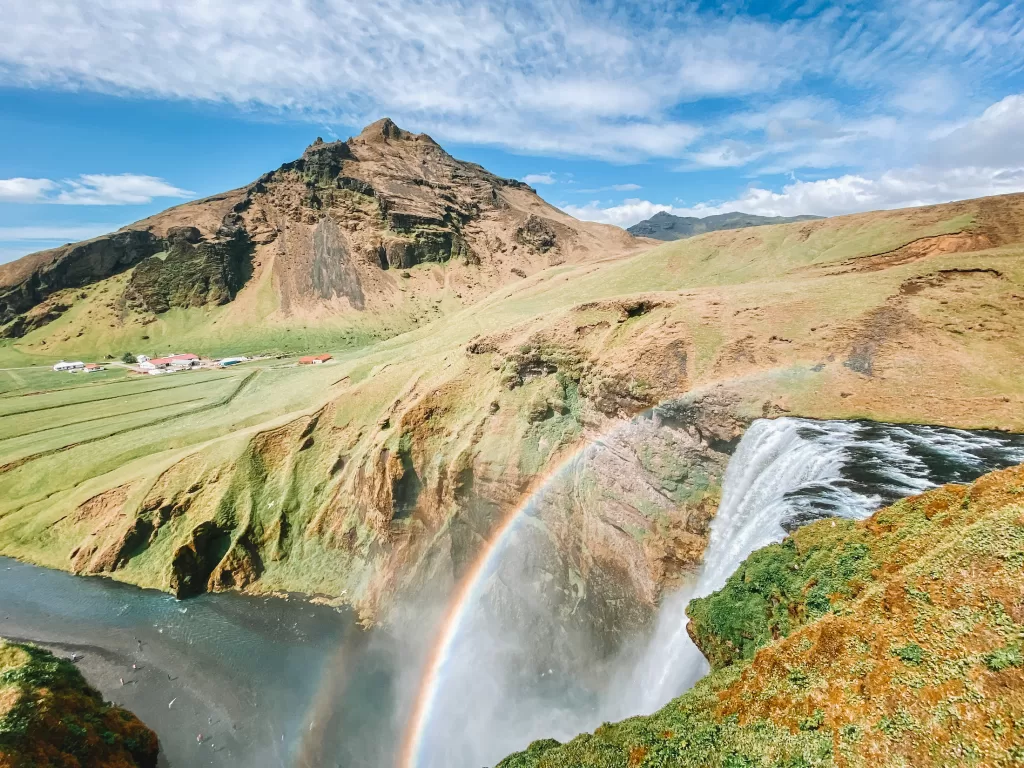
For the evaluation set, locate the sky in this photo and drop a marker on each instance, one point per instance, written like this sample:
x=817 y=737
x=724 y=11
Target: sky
x=112 y=110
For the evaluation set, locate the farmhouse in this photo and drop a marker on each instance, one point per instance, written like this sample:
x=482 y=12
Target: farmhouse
x=69 y=367
x=172 y=362
x=93 y=368
x=314 y=359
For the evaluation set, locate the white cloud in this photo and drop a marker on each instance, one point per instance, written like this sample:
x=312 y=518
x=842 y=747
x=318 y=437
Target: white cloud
x=539 y=178
x=975 y=157
x=90 y=189
x=994 y=138
x=624 y=214
x=625 y=187
x=849 y=193
x=568 y=78
x=21 y=190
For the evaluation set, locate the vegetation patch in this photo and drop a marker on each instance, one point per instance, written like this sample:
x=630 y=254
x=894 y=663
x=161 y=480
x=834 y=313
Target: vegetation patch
x=49 y=716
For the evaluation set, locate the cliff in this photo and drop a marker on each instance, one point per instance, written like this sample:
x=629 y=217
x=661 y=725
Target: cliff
x=892 y=641
x=384 y=472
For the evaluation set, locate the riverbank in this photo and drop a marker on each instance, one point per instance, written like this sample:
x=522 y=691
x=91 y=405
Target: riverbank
x=244 y=672
x=51 y=716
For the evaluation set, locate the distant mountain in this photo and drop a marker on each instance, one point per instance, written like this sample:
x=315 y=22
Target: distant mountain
x=665 y=226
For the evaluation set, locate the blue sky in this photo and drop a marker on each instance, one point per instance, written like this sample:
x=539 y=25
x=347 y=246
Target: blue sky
x=111 y=110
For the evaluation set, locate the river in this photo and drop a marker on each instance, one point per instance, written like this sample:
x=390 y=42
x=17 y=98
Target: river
x=247 y=673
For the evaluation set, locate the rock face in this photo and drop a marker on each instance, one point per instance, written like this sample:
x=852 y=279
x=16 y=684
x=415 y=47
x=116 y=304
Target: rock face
x=194 y=272
x=892 y=641
x=665 y=226
x=321 y=235
x=27 y=282
x=49 y=716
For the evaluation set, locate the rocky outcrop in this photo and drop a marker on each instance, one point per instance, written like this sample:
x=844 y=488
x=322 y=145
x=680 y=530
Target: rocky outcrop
x=50 y=716
x=322 y=230
x=195 y=272
x=537 y=234
x=892 y=641
x=193 y=562
x=37 y=317
x=28 y=281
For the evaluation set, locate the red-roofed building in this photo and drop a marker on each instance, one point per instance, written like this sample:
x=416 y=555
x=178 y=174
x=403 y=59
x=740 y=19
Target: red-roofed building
x=173 y=361
x=314 y=359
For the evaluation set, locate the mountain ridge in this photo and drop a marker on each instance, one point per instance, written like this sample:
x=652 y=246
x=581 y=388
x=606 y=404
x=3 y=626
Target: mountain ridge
x=666 y=226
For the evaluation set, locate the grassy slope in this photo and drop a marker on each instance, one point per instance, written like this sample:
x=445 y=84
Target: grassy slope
x=49 y=716
x=890 y=642
x=771 y=316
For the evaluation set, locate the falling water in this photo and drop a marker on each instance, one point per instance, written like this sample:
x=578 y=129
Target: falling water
x=787 y=472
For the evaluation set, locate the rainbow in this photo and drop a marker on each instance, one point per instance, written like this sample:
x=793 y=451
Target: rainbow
x=465 y=596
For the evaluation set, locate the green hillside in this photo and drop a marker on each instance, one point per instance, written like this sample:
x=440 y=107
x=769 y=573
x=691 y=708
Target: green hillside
x=358 y=478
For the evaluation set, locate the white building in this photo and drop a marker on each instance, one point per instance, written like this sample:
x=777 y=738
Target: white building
x=173 y=362
x=69 y=367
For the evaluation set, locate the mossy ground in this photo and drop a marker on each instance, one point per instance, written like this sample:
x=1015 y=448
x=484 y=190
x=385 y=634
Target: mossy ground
x=895 y=641
x=49 y=716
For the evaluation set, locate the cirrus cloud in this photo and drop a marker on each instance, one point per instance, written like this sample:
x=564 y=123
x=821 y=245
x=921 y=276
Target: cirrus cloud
x=976 y=157
x=578 y=77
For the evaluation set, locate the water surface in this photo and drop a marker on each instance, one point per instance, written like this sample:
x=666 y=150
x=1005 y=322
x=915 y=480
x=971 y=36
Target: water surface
x=249 y=674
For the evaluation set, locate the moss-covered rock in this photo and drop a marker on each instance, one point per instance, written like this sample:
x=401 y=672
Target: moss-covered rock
x=50 y=716
x=194 y=273
x=893 y=641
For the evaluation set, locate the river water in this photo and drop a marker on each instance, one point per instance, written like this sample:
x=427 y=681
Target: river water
x=273 y=682
x=246 y=673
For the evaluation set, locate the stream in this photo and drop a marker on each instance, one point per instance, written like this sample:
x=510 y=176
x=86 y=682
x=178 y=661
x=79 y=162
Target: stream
x=245 y=672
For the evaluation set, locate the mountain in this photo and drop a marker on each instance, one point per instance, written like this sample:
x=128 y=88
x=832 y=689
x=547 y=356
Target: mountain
x=850 y=644
x=665 y=226
x=355 y=240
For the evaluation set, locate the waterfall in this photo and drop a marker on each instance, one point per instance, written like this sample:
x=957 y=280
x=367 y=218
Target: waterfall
x=493 y=696
x=786 y=472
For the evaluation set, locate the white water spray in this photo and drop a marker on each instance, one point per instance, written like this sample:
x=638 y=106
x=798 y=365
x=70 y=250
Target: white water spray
x=785 y=472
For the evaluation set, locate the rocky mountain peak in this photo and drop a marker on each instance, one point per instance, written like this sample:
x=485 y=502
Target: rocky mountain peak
x=382 y=130
x=323 y=230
